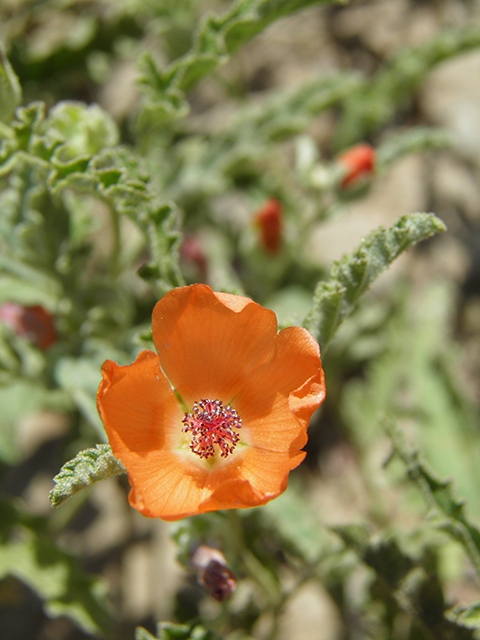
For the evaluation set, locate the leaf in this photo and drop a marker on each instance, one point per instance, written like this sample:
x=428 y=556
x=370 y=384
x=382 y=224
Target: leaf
x=19 y=399
x=216 y=39
x=80 y=378
x=10 y=90
x=410 y=579
x=447 y=511
x=412 y=140
x=297 y=525
x=89 y=466
x=173 y=631
x=58 y=580
x=466 y=616
x=350 y=277
x=392 y=86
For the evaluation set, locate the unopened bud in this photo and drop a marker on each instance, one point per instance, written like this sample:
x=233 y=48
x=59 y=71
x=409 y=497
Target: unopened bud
x=34 y=323
x=269 y=219
x=358 y=162
x=213 y=573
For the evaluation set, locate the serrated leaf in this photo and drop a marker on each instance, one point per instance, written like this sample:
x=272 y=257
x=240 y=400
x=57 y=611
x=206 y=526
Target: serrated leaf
x=10 y=90
x=89 y=466
x=392 y=87
x=350 y=277
x=447 y=511
x=216 y=39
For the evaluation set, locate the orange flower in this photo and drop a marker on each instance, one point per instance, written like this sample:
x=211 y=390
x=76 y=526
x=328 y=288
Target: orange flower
x=218 y=418
x=358 y=162
x=269 y=219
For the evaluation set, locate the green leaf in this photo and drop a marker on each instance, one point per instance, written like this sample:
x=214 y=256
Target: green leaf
x=447 y=511
x=83 y=129
x=409 y=141
x=143 y=634
x=391 y=88
x=350 y=277
x=10 y=90
x=216 y=39
x=19 y=399
x=297 y=525
x=172 y=631
x=409 y=578
x=466 y=616
x=89 y=466
x=58 y=580
x=80 y=378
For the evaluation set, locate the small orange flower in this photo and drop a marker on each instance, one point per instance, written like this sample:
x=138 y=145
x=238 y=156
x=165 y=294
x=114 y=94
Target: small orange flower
x=269 y=219
x=358 y=162
x=217 y=419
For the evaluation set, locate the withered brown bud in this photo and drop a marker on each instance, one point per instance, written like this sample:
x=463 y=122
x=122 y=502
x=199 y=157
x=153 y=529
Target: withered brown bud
x=213 y=573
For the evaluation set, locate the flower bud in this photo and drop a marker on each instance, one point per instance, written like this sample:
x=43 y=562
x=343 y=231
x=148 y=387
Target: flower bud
x=34 y=323
x=213 y=573
x=269 y=219
x=357 y=162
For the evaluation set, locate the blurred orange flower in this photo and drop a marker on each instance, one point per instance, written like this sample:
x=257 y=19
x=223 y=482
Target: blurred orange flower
x=359 y=162
x=217 y=419
x=269 y=219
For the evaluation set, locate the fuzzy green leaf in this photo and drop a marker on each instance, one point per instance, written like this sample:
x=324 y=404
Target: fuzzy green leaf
x=447 y=511
x=216 y=39
x=352 y=276
x=10 y=90
x=58 y=580
x=87 y=467
x=393 y=85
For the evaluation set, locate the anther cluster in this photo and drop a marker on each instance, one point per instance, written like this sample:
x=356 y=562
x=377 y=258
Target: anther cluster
x=211 y=424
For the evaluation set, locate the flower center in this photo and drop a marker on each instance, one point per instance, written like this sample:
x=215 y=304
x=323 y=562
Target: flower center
x=211 y=424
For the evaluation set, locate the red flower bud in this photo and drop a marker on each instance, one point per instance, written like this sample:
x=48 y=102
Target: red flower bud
x=269 y=219
x=213 y=573
x=358 y=162
x=34 y=323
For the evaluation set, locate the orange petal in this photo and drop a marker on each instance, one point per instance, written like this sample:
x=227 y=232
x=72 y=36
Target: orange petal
x=257 y=479
x=138 y=407
x=171 y=485
x=277 y=402
x=167 y=485
x=210 y=343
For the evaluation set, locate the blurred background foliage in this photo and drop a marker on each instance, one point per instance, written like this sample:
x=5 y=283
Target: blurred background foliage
x=144 y=145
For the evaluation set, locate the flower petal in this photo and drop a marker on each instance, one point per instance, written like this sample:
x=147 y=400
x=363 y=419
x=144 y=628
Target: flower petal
x=138 y=407
x=210 y=343
x=260 y=477
x=277 y=402
x=171 y=486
